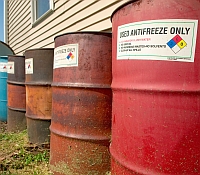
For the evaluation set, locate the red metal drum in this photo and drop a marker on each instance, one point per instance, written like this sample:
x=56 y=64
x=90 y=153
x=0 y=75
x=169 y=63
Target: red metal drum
x=81 y=104
x=156 y=97
x=16 y=92
x=38 y=79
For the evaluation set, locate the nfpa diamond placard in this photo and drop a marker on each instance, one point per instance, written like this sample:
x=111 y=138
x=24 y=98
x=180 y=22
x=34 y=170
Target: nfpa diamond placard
x=176 y=44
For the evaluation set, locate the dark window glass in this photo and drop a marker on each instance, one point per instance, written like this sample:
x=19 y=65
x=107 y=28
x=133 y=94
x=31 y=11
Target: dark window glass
x=42 y=6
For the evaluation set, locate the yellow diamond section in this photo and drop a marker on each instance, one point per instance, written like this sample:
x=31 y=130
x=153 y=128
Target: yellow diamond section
x=182 y=44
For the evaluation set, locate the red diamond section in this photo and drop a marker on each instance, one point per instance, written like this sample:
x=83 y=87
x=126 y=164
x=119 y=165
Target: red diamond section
x=177 y=38
x=70 y=54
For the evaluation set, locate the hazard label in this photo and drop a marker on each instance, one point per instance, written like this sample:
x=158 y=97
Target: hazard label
x=168 y=39
x=66 y=56
x=10 y=67
x=29 y=66
x=3 y=67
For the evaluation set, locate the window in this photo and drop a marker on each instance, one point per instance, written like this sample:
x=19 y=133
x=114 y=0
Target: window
x=41 y=9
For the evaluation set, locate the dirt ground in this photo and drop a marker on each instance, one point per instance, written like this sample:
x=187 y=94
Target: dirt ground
x=3 y=127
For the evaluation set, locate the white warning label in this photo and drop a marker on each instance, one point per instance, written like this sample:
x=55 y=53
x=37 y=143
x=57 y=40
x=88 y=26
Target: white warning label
x=172 y=39
x=66 y=56
x=29 y=66
x=3 y=67
x=10 y=67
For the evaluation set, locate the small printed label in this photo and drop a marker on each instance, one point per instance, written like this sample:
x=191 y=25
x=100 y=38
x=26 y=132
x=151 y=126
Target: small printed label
x=10 y=67
x=3 y=67
x=29 y=66
x=66 y=56
x=171 y=39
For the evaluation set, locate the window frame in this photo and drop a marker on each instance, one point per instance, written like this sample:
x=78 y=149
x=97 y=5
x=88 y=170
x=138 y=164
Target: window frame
x=36 y=20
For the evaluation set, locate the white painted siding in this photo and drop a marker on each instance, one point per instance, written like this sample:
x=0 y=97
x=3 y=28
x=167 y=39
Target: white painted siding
x=68 y=16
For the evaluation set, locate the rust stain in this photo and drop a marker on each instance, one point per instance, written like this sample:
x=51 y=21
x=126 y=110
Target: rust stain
x=16 y=94
x=38 y=102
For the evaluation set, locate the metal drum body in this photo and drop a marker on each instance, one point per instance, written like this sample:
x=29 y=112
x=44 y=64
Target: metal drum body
x=16 y=93
x=3 y=88
x=156 y=104
x=81 y=106
x=38 y=79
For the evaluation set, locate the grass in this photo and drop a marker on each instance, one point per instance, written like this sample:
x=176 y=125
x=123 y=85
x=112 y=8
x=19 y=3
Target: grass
x=18 y=157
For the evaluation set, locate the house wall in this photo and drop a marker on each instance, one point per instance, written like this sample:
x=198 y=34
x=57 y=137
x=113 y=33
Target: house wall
x=68 y=16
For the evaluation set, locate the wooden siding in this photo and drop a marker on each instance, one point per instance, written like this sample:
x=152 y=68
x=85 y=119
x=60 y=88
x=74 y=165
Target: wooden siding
x=68 y=16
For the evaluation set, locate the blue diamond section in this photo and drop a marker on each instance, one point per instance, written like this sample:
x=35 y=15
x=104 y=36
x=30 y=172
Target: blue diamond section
x=171 y=43
x=68 y=57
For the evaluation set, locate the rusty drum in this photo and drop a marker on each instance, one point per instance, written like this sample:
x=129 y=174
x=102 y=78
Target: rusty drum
x=81 y=104
x=38 y=79
x=156 y=88
x=16 y=93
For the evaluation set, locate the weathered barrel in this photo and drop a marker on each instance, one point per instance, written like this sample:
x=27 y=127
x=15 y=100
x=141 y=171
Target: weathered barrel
x=156 y=88
x=16 y=93
x=81 y=104
x=3 y=88
x=38 y=79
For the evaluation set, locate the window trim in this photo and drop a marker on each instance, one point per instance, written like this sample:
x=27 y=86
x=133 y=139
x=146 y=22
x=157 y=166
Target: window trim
x=44 y=16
